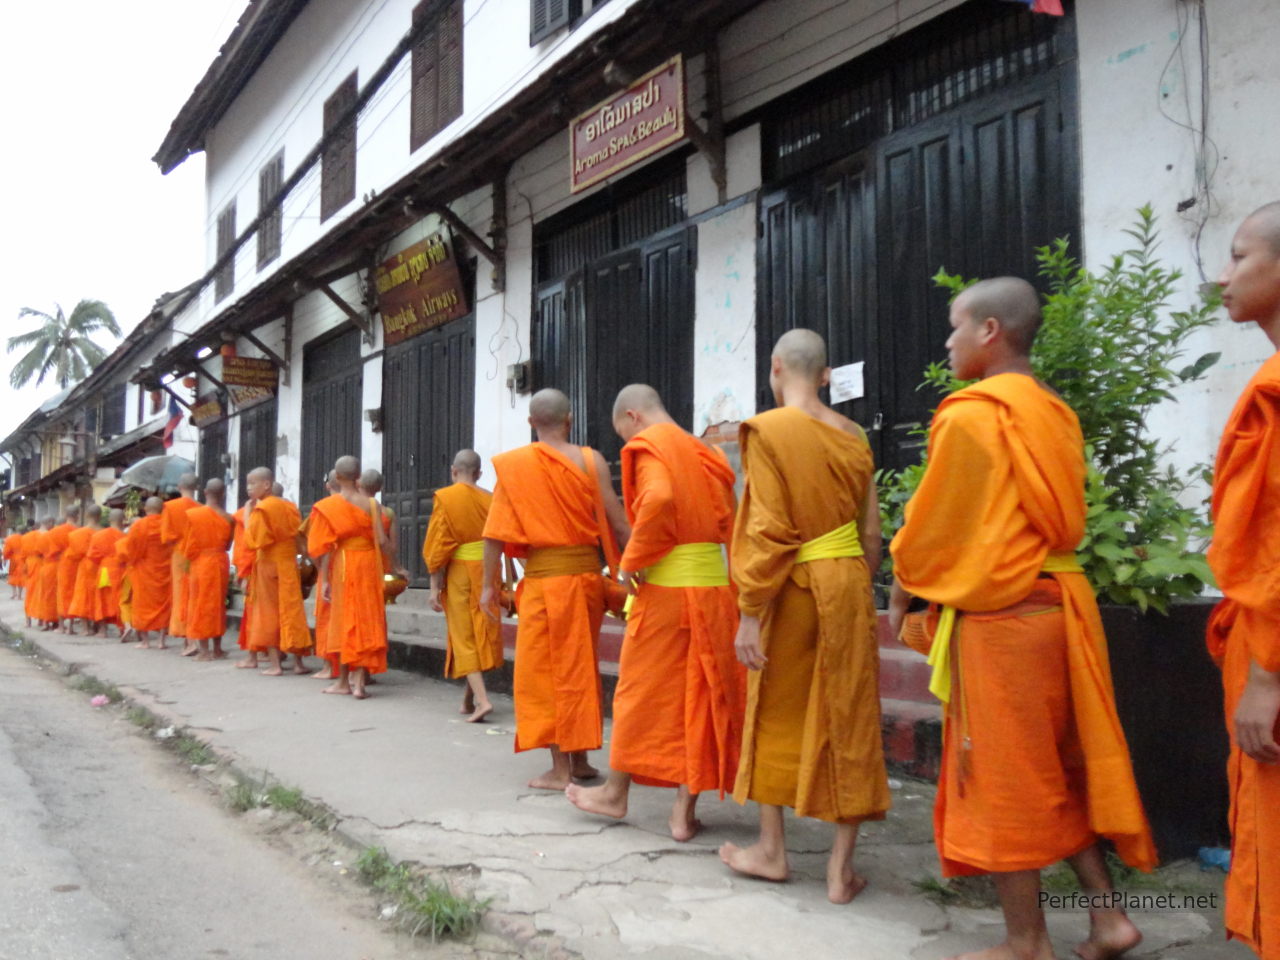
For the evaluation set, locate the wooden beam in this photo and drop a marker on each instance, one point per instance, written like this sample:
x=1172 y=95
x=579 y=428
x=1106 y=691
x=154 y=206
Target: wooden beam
x=474 y=239
x=710 y=142
x=354 y=315
x=271 y=354
x=195 y=362
x=169 y=390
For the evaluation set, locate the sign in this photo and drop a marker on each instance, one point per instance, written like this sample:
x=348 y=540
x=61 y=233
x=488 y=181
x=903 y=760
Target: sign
x=847 y=382
x=249 y=372
x=207 y=410
x=420 y=288
x=245 y=397
x=632 y=124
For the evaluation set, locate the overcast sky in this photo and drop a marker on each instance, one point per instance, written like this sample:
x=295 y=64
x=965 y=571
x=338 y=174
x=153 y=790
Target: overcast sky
x=87 y=92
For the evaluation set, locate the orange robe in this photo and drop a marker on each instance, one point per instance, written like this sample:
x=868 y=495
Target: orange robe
x=545 y=510
x=173 y=528
x=106 y=594
x=13 y=556
x=122 y=594
x=205 y=546
x=86 y=578
x=1033 y=770
x=458 y=513
x=678 y=708
x=279 y=619
x=150 y=574
x=322 y=648
x=64 y=576
x=812 y=730
x=40 y=603
x=357 y=626
x=1245 y=629
x=242 y=558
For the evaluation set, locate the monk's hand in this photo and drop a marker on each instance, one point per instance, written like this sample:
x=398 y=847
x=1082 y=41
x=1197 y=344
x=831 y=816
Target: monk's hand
x=327 y=592
x=899 y=603
x=1256 y=715
x=436 y=605
x=489 y=602
x=631 y=579
x=747 y=643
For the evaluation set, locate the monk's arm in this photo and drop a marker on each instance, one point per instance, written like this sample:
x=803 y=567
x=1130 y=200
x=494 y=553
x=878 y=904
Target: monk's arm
x=869 y=528
x=323 y=576
x=653 y=534
x=613 y=511
x=1256 y=714
x=492 y=577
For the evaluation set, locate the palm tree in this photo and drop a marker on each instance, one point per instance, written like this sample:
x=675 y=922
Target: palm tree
x=62 y=345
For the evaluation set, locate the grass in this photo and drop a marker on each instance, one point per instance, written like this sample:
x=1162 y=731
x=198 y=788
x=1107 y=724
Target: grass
x=91 y=685
x=426 y=907
x=285 y=798
x=140 y=717
x=194 y=751
x=242 y=798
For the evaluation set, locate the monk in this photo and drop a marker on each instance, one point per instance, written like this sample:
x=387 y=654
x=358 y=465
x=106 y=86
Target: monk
x=173 y=527
x=122 y=596
x=331 y=657
x=678 y=708
x=805 y=542
x=106 y=594
x=350 y=545
x=279 y=625
x=13 y=557
x=32 y=558
x=68 y=559
x=554 y=506
x=454 y=555
x=1036 y=771
x=150 y=561
x=1244 y=633
x=52 y=543
x=242 y=560
x=205 y=545
x=86 y=579
x=370 y=485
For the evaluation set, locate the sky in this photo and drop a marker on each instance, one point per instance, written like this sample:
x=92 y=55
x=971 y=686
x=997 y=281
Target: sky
x=87 y=93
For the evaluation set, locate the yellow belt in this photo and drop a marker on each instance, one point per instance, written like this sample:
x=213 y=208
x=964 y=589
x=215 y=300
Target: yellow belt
x=690 y=565
x=470 y=551
x=104 y=577
x=940 y=651
x=562 y=561
x=840 y=542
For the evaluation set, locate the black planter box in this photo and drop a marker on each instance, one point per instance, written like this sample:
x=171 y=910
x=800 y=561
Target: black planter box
x=1169 y=697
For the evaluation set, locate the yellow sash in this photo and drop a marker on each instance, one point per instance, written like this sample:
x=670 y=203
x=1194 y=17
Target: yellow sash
x=104 y=578
x=470 y=551
x=690 y=565
x=940 y=651
x=840 y=542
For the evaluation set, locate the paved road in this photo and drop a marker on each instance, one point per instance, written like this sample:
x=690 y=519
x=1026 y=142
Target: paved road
x=110 y=851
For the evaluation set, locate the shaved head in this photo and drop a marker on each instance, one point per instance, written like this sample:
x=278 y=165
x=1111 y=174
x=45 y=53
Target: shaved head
x=468 y=462
x=639 y=397
x=1010 y=300
x=73 y=511
x=277 y=489
x=331 y=482
x=153 y=506
x=549 y=409
x=371 y=481
x=116 y=517
x=347 y=468
x=1265 y=222
x=47 y=522
x=188 y=482
x=93 y=512
x=802 y=352
x=215 y=490
x=261 y=473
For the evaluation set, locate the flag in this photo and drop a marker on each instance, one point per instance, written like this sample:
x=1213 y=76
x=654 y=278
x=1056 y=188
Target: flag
x=1052 y=7
x=175 y=418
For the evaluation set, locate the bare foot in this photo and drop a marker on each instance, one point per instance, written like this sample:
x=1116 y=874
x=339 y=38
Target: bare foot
x=247 y=665
x=468 y=703
x=142 y=645
x=598 y=800
x=203 y=657
x=754 y=862
x=218 y=655
x=551 y=780
x=300 y=670
x=273 y=672
x=683 y=824
x=1111 y=934
x=325 y=673
x=360 y=694
x=846 y=886
x=339 y=688
x=190 y=651
x=481 y=712
x=583 y=770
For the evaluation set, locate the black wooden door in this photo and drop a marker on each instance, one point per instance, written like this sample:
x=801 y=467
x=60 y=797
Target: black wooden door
x=213 y=451
x=332 y=384
x=428 y=416
x=257 y=443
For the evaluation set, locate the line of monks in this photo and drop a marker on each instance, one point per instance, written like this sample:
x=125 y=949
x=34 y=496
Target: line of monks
x=749 y=664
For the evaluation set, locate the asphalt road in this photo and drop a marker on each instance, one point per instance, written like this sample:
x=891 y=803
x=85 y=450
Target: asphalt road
x=109 y=850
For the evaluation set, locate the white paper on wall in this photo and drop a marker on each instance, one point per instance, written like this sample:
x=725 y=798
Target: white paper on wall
x=846 y=382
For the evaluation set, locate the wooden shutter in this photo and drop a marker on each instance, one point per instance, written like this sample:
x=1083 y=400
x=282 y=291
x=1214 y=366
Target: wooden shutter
x=435 y=98
x=270 y=231
x=338 y=164
x=449 y=30
x=548 y=16
x=225 y=281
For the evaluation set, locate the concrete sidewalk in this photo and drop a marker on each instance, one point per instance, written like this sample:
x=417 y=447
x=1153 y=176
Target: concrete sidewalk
x=401 y=770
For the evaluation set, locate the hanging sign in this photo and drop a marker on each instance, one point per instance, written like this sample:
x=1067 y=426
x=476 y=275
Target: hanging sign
x=420 y=288
x=632 y=124
x=207 y=410
x=249 y=380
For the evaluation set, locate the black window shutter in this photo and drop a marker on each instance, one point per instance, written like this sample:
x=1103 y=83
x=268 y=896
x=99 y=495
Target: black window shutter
x=424 y=93
x=270 y=232
x=338 y=163
x=225 y=281
x=548 y=16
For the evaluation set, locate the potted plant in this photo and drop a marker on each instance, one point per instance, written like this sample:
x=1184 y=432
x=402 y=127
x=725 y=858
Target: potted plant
x=1114 y=347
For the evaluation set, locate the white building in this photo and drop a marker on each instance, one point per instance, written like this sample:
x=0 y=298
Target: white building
x=836 y=154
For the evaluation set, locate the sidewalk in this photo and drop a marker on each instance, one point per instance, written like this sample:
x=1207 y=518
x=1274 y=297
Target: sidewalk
x=401 y=770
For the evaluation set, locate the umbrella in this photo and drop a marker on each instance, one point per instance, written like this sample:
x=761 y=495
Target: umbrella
x=156 y=475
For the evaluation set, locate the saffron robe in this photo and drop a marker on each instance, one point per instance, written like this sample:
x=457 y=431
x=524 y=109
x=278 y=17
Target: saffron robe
x=812 y=731
x=205 y=546
x=357 y=626
x=1245 y=628
x=458 y=513
x=278 y=617
x=13 y=556
x=64 y=575
x=1035 y=765
x=173 y=527
x=102 y=551
x=86 y=578
x=122 y=596
x=544 y=500
x=150 y=575
x=41 y=602
x=333 y=654
x=678 y=708
x=242 y=559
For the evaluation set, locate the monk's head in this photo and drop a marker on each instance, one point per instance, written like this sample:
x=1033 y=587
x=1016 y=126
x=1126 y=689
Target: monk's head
x=215 y=492
x=636 y=407
x=116 y=518
x=92 y=515
x=346 y=470
x=188 y=484
x=331 y=482
x=1250 y=281
x=993 y=326
x=798 y=362
x=371 y=482
x=550 y=414
x=153 y=506
x=73 y=513
x=258 y=483
x=277 y=489
x=47 y=523
x=466 y=467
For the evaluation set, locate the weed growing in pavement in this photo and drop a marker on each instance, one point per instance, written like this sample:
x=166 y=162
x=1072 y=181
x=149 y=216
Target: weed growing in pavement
x=285 y=798
x=86 y=683
x=194 y=751
x=425 y=907
x=140 y=717
x=242 y=798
